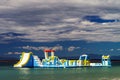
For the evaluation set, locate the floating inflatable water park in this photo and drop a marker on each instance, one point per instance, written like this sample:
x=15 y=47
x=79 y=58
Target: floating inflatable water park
x=52 y=61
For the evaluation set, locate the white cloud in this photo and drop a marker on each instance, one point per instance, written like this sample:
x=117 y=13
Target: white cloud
x=10 y=53
x=73 y=20
x=56 y=48
x=87 y=23
x=72 y=48
x=111 y=16
x=111 y=49
x=118 y=49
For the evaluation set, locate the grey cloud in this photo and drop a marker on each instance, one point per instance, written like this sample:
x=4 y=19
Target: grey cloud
x=50 y=15
x=40 y=23
x=53 y=2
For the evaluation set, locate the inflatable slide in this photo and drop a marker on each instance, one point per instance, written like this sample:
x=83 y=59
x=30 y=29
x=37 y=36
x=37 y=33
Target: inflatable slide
x=25 y=61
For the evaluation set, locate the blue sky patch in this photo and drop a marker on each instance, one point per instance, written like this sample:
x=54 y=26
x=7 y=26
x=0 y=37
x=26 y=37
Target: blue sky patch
x=98 y=19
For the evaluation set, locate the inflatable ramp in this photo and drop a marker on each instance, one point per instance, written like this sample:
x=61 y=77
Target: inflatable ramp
x=25 y=61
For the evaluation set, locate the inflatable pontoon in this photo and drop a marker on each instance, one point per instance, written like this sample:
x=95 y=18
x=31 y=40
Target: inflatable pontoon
x=52 y=61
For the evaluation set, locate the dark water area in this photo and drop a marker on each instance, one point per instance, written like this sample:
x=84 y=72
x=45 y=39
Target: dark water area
x=7 y=72
x=84 y=73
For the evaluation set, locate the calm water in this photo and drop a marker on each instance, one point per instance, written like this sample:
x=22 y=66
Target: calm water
x=88 y=73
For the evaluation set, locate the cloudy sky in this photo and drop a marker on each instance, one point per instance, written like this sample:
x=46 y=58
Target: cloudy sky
x=71 y=27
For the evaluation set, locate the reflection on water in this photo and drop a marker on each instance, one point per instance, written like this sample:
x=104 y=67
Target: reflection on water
x=86 y=73
x=24 y=73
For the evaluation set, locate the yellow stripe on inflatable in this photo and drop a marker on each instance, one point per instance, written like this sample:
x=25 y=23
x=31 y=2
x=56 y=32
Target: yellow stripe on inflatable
x=105 y=57
x=20 y=59
x=23 y=53
x=27 y=60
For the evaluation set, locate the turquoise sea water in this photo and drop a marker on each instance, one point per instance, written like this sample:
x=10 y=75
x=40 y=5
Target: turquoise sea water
x=86 y=73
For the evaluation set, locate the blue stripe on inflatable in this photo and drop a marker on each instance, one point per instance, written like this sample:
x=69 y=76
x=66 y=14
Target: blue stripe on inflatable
x=30 y=62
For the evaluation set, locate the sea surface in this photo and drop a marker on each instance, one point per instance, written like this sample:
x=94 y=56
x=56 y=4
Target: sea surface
x=85 y=73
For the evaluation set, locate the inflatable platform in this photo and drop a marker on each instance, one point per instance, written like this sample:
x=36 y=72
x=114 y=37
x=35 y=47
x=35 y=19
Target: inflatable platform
x=52 y=61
